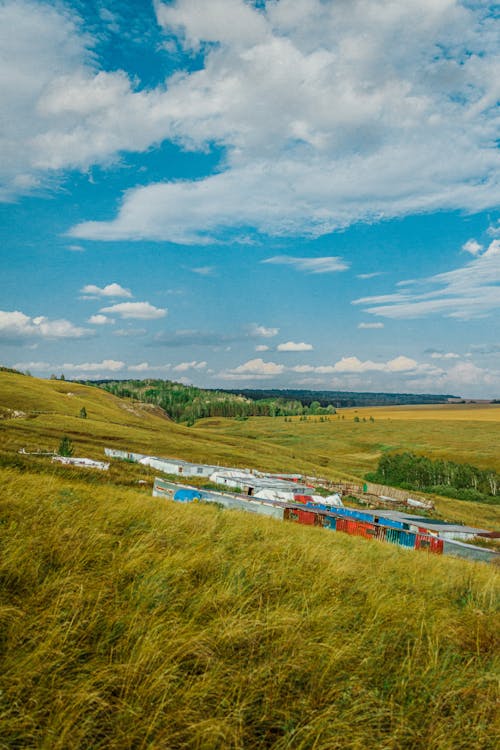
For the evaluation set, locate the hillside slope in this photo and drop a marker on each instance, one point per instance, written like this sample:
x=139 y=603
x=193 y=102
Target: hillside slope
x=127 y=622
x=35 y=414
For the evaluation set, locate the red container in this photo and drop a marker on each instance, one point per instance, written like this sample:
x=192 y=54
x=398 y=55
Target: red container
x=430 y=543
x=300 y=516
x=307 y=517
x=357 y=528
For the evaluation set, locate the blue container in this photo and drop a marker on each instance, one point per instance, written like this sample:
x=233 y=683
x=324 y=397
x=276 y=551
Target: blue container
x=390 y=523
x=392 y=535
x=407 y=539
x=187 y=496
x=328 y=522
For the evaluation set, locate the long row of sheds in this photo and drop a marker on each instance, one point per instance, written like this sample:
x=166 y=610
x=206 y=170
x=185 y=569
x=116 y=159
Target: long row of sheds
x=407 y=531
x=266 y=486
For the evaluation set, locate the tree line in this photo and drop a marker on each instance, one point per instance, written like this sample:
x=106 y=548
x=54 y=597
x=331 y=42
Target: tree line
x=186 y=403
x=443 y=477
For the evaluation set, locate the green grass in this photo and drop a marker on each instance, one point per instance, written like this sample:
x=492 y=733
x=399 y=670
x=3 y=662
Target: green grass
x=131 y=622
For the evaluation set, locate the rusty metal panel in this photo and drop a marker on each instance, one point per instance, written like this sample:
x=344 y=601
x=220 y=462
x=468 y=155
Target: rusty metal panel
x=307 y=517
x=430 y=543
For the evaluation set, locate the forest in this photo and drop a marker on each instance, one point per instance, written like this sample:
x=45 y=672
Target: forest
x=342 y=399
x=186 y=403
x=462 y=481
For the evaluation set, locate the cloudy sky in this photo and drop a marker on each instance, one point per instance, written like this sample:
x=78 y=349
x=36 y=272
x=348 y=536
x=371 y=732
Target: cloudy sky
x=252 y=193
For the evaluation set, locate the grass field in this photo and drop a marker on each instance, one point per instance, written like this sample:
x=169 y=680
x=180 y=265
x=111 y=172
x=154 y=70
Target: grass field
x=339 y=448
x=127 y=622
x=130 y=623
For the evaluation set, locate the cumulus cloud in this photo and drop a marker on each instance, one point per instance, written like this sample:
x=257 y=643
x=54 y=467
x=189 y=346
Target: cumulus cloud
x=256 y=331
x=110 y=290
x=135 y=310
x=445 y=355
x=262 y=348
x=16 y=327
x=254 y=369
x=291 y=346
x=472 y=291
x=106 y=365
x=472 y=246
x=194 y=365
x=413 y=128
x=329 y=264
x=147 y=367
x=100 y=320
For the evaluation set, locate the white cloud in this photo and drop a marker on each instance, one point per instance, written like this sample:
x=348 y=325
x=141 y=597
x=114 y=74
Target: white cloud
x=254 y=369
x=204 y=270
x=445 y=355
x=473 y=247
x=369 y=275
x=110 y=290
x=464 y=378
x=291 y=346
x=262 y=348
x=146 y=367
x=352 y=364
x=100 y=320
x=370 y=325
x=107 y=365
x=141 y=367
x=329 y=264
x=472 y=291
x=413 y=127
x=194 y=365
x=16 y=326
x=257 y=331
x=75 y=248
x=414 y=84
x=135 y=310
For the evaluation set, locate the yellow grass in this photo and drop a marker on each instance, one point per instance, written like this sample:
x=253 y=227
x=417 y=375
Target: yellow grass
x=449 y=412
x=338 y=448
x=131 y=622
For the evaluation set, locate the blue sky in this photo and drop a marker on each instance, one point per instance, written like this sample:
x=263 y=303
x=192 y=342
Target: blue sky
x=291 y=193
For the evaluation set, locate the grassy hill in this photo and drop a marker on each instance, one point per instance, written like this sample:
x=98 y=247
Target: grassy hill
x=130 y=622
x=127 y=622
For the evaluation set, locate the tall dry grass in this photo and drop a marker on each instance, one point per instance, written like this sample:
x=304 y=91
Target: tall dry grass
x=130 y=622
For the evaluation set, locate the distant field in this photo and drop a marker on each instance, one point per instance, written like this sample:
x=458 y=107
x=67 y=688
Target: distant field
x=469 y=434
x=454 y=412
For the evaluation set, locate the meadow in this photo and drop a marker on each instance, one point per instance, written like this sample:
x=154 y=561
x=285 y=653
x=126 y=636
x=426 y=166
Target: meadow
x=127 y=622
